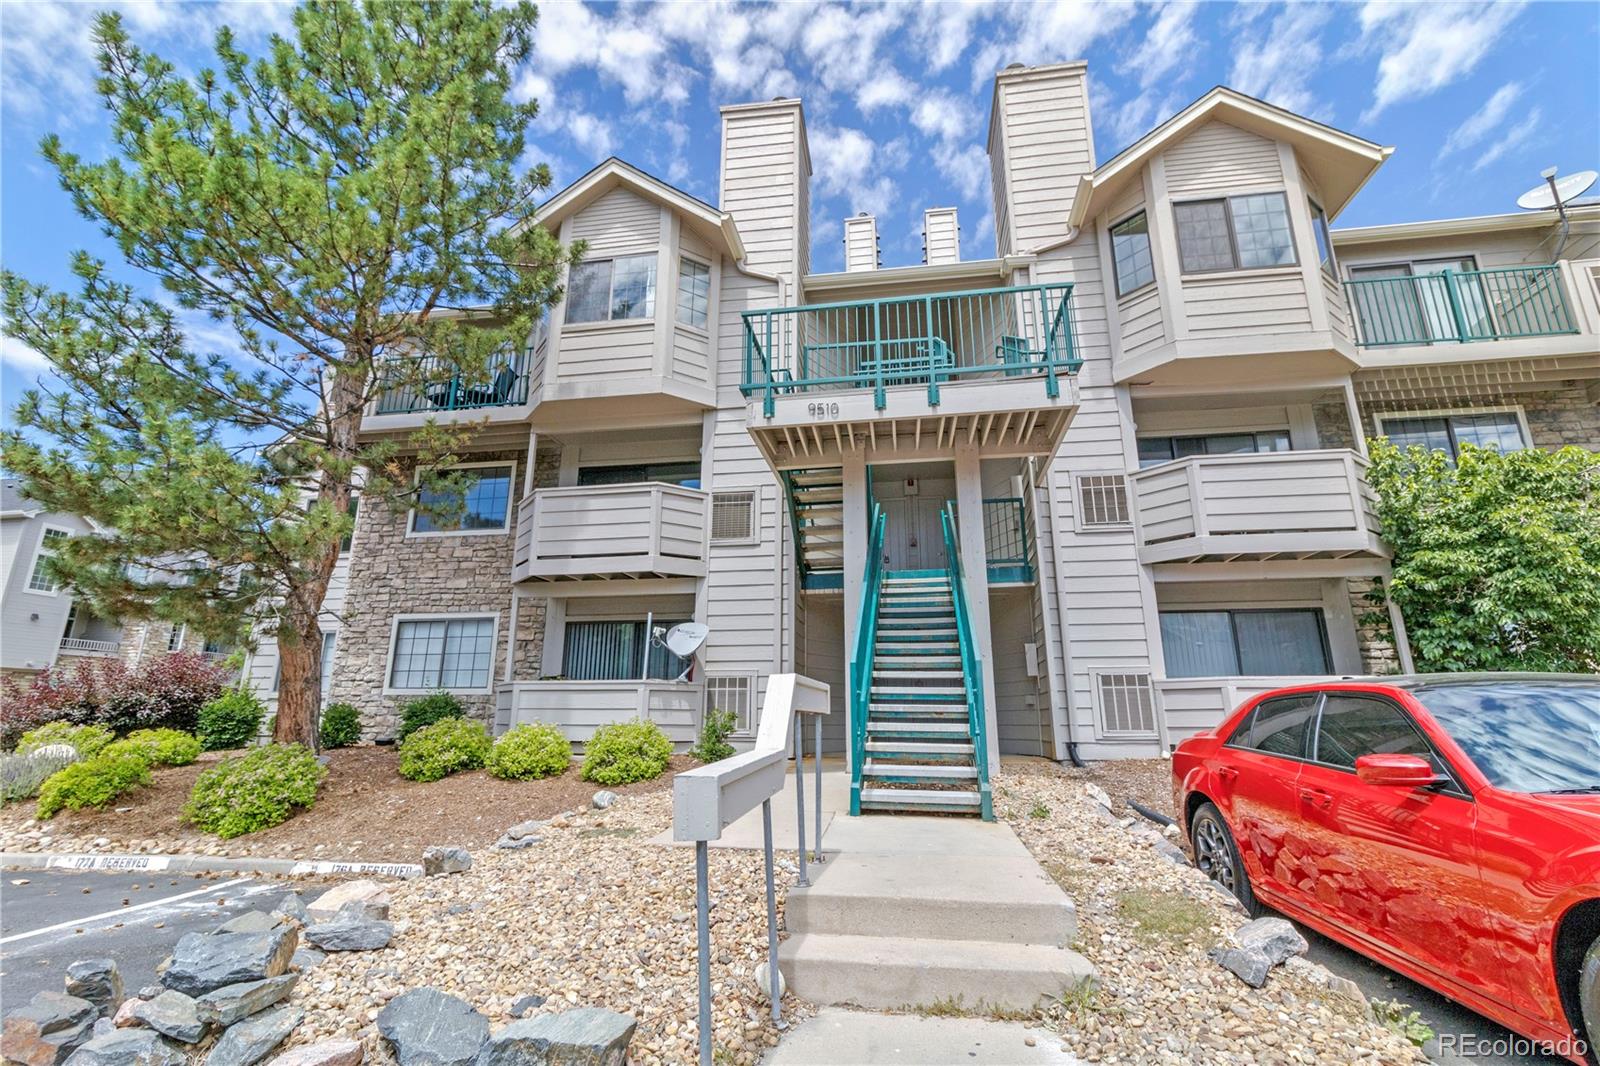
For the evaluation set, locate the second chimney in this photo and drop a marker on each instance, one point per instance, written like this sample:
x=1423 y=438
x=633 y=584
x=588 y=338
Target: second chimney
x=941 y=236
x=861 y=243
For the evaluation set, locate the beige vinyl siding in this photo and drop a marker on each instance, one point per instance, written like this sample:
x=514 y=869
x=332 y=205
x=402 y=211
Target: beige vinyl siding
x=1047 y=148
x=1338 y=307
x=1222 y=160
x=1139 y=315
x=820 y=654
x=1248 y=303
x=761 y=186
x=32 y=622
x=1528 y=247
x=619 y=223
x=691 y=355
x=1022 y=715
x=607 y=350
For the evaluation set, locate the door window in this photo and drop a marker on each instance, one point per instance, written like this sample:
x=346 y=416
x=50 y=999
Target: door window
x=1353 y=726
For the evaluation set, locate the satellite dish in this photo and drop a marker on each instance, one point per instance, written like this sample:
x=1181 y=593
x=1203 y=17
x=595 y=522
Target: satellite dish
x=684 y=640
x=1557 y=191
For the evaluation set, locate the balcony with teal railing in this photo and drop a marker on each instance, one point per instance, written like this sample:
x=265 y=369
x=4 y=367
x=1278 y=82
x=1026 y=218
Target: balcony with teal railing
x=428 y=384
x=939 y=339
x=1005 y=541
x=1460 y=307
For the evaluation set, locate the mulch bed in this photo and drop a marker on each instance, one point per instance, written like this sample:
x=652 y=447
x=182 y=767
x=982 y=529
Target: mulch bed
x=364 y=810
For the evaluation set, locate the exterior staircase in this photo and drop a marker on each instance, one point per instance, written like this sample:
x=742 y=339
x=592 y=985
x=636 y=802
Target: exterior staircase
x=920 y=751
x=816 y=510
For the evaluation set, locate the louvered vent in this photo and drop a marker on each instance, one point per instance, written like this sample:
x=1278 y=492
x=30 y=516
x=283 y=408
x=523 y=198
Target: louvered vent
x=733 y=516
x=731 y=694
x=1127 y=704
x=1103 y=500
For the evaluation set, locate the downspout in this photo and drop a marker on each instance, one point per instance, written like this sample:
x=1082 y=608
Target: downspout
x=1061 y=613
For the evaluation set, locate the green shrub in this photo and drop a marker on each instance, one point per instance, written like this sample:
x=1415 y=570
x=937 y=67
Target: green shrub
x=714 y=732
x=528 y=752
x=256 y=790
x=159 y=747
x=341 y=725
x=232 y=720
x=444 y=748
x=21 y=775
x=92 y=783
x=87 y=740
x=626 y=751
x=426 y=710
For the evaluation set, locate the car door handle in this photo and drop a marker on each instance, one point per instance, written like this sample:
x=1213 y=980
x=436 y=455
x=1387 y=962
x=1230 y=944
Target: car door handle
x=1227 y=773
x=1317 y=796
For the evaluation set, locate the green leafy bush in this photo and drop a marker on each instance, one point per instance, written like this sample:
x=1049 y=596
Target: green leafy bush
x=92 y=783
x=626 y=751
x=341 y=725
x=232 y=720
x=21 y=775
x=87 y=740
x=528 y=752
x=714 y=733
x=159 y=747
x=444 y=748
x=426 y=710
x=256 y=790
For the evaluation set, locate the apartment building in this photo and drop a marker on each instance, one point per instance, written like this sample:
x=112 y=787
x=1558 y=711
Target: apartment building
x=1076 y=498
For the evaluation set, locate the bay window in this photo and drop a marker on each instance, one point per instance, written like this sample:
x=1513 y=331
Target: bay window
x=612 y=290
x=694 y=292
x=1130 y=253
x=1236 y=233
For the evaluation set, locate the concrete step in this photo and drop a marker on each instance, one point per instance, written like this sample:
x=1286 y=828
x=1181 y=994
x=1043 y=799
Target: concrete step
x=884 y=972
x=900 y=770
x=916 y=799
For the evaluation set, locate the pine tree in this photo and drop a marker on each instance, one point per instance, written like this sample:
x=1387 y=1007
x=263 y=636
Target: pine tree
x=352 y=198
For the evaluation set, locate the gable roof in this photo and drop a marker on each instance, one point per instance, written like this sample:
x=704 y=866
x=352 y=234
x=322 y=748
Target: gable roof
x=13 y=504
x=1341 y=162
x=709 y=223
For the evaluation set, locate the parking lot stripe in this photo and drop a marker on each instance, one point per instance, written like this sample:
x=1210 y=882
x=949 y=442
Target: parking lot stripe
x=121 y=911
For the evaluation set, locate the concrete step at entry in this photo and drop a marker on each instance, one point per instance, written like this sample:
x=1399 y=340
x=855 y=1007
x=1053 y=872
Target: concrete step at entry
x=912 y=799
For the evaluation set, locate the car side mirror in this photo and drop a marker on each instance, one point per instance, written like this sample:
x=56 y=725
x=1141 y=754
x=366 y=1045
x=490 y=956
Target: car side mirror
x=1396 y=771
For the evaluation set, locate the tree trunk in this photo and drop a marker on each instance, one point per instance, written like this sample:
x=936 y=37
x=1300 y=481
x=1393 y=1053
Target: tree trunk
x=299 y=682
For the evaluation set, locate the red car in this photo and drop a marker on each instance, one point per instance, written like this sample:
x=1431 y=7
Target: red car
x=1447 y=826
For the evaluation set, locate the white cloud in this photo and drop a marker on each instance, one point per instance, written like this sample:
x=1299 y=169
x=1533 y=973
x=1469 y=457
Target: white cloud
x=887 y=88
x=940 y=114
x=1169 y=41
x=1275 y=62
x=1484 y=121
x=942 y=31
x=845 y=163
x=1048 y=31
x=964 y=166
x=590 y=133
x=1425 y=47
x=1515 y=139
x=21 y=358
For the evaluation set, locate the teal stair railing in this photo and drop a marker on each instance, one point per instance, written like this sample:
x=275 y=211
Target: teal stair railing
x=930 y=340
x=971 y=665
x=1459 y=306
x=861 y=658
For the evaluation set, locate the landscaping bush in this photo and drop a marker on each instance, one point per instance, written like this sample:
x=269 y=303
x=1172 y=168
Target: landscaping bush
x=444 y=748
x=426 y=710
x=257 y=790
x=21 y=775
x=165 y=694
x=341 y=725
x=714 y=732
x=626 y=751
x=232 y=720
x=159 y=747
x=92 y=783
x=87 y=740
x=528 y=752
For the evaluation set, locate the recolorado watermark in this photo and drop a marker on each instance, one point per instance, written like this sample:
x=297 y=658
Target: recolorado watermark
x=1474 y=1045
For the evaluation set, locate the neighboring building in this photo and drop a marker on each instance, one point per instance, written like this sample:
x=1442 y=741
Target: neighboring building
x=1149 y=409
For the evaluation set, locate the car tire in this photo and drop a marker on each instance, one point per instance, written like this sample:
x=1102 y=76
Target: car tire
x=1217 y=856
x=1589 y=999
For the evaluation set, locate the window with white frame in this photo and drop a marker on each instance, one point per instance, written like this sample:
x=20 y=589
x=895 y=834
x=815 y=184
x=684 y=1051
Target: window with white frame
x=1245 y=643
x=1237 y=233
x=1154 y=450
x=1319 y=226
x=1447 y=431
x=176 y=636
x=612 y=290
x=694 y=292
x=733 y=516
x=441 y=653
x=1102 y=501
x=480 y=502
x=735 y=694
x=1130 y=253
x=41 y=580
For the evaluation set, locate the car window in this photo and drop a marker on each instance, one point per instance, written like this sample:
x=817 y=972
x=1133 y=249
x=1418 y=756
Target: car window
x=1278 y=726
x=1353 y=726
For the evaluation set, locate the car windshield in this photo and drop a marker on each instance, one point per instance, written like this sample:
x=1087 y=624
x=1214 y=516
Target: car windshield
x=1526 y=736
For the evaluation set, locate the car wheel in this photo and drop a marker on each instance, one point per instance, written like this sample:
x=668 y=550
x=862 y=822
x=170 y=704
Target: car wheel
x=1589 y=998
x=1217 y=855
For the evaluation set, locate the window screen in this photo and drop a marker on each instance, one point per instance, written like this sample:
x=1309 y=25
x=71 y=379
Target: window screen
x=733 y=516
x=442 y=653
x=732 y=694
x=1130 y=253
x=483 y=503
x=1103 y=499
x=694 y=292
x=1203 y=241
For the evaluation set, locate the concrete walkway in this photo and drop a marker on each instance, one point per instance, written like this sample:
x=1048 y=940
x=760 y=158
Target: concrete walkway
x=838 y=1037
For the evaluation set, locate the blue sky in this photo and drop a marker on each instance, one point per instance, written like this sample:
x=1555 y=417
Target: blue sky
x=1476 y=97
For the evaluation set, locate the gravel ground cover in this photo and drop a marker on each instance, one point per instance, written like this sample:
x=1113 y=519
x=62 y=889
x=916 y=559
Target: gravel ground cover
x=1146 y=924
x=365 y=811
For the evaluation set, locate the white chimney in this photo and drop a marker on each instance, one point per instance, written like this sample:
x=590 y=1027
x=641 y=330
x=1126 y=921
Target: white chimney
x=861 y=243
x=941 y=236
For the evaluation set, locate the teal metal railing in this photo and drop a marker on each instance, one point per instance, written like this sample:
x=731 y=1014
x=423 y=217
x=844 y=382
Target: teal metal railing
x=1459 y=306
x=1025 y=330
x=1005 y=540
x=861 y=658
x=428 y=383
x=971 y=664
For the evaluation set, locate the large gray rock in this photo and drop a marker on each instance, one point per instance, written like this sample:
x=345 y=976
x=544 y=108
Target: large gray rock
x=97 y=981
x=426 y=1027
x=47 y=1028
x=350 y=934
x=1273 y=937
x=202 y=962
x=375 y=909
x=603 y=799
x=291 y=906
x=253 y=1039
x=250 y=922
x=445 y=860
x=327 y=905
x=128 y=1047
x=226 y=1005
x=337 y=1052
x=173 y=1014
x=306 y=959
x=588 y=1036
x=1247 y=964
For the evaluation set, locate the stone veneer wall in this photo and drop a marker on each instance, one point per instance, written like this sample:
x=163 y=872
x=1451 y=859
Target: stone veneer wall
x=1333 y=425
x=1556 y=417
x=392 y=574
x=145 y=640
x=1375 y=638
